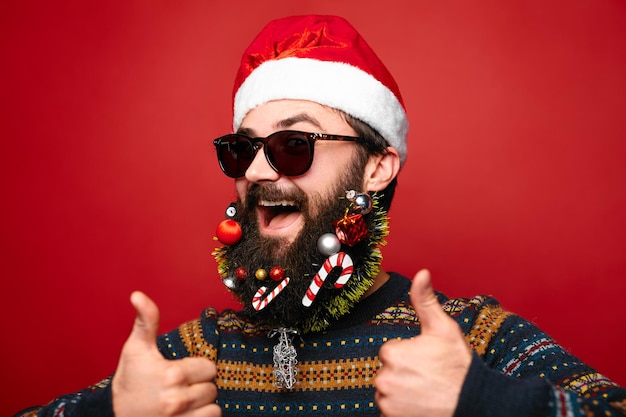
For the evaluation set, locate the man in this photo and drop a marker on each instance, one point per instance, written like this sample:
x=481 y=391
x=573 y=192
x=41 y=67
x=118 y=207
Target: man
x=320 y=137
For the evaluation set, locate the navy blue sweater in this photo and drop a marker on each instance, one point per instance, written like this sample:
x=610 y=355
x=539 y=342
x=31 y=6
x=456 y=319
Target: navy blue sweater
x=517 y=370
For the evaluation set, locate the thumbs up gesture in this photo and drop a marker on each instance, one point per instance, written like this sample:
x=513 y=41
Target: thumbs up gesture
x=147 y=384
x=423 y=376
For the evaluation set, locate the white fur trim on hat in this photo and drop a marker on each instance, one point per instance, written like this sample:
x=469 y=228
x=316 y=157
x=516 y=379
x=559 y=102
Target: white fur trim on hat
x=333 y=84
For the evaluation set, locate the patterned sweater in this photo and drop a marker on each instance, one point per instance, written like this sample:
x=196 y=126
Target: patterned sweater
x=517 y=370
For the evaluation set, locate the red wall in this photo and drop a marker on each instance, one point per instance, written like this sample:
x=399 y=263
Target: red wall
x=515 y=182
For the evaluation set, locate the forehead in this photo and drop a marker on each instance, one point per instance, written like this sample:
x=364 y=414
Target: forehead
x=295 y=114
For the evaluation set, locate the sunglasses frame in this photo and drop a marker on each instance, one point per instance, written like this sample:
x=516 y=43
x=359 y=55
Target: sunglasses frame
x=255 y=144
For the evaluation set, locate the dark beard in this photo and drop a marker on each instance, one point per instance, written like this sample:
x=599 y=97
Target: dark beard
x=300 y=260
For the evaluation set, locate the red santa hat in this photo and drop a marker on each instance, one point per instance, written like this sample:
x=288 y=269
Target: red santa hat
x=325 y=60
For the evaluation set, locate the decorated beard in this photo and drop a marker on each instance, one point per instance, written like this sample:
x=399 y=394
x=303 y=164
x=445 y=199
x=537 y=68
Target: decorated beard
x=309 y=283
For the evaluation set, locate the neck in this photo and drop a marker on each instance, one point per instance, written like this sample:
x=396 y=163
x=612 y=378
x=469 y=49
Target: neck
x=380 y=279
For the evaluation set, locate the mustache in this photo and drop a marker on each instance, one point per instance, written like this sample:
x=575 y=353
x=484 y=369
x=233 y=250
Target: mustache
x=272 y=192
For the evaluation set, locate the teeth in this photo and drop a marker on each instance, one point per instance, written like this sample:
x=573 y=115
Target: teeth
x=284 y=203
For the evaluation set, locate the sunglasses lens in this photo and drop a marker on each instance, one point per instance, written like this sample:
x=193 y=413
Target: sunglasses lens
x=291 y=153
x=235 y=154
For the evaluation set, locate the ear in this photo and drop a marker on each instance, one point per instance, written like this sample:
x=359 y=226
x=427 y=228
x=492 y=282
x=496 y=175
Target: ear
x=380 y=170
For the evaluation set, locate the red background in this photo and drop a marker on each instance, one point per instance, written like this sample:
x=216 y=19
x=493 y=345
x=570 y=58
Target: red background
x=514 y=184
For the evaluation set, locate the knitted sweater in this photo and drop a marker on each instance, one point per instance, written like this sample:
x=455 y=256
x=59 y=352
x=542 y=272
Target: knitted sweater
x=517 y=370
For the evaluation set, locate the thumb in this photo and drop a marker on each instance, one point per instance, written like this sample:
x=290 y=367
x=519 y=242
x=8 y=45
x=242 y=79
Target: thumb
x=146 y=325
x=426 y=305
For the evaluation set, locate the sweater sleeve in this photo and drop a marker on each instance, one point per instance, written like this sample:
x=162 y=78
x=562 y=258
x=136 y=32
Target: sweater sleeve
x=95 y=400
x=518 y=370
x=487 y=392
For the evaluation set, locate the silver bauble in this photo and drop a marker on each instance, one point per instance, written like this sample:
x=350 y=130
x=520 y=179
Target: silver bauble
x=230 y=282
x=328 y=244
x=364 y=203
x=231 y=211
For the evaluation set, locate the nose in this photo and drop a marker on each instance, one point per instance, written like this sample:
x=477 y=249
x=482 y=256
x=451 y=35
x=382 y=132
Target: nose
x=260 y=169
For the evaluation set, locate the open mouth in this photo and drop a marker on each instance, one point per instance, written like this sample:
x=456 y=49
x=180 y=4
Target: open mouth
x=275 y=216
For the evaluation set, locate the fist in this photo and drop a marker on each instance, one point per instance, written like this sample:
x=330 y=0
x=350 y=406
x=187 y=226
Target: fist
x=423 y=376
x=147 y=384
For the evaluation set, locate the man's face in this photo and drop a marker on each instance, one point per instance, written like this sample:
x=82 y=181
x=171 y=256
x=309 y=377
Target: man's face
x=283 y=219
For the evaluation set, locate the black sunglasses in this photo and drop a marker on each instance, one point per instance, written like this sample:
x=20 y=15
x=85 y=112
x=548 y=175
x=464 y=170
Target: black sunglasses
x=288 y=152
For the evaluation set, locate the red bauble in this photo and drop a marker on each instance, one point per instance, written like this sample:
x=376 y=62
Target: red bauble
x=228 y=232
x=241 y=273
x=277 y=273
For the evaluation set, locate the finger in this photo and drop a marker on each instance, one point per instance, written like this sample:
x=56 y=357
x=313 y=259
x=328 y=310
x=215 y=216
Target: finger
x=387 y=352
x=201 y=394
x=197 y=370
x=426 y=305
x=186 y=399
x=146 y=325
x=209 y=410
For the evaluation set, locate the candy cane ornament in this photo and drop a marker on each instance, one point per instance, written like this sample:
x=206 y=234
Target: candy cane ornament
x=259 y=302
x=340 y=259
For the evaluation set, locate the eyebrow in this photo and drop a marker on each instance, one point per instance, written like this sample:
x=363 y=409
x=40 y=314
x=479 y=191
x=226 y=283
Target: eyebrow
x=285 y=124
x=302 y=117
x=246 y=131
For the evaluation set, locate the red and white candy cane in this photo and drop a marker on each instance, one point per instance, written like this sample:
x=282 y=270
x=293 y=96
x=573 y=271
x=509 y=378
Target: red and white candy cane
x=341 y=259
x=259 y=302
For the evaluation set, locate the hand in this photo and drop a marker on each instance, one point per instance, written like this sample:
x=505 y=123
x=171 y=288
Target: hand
x=423 y=376
x=147 y=384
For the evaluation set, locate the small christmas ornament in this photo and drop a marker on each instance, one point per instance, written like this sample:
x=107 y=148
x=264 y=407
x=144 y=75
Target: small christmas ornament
x=229 y=282
x=228 y=232
x=285 y=369
x=351 y=229
x=241 y=273
x=260 y=274
x=328 y=244
x=277 y=273
x=231 y=211
x=261 y=299
x=342 y=260
x=362 y=203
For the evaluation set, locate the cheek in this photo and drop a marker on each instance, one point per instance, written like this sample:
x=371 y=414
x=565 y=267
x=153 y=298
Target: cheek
x=323 y=173
x=328 y=171
x=333 y=158
x=241 y=186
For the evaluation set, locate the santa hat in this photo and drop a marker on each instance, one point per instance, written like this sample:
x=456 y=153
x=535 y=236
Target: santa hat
x=325 y=60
